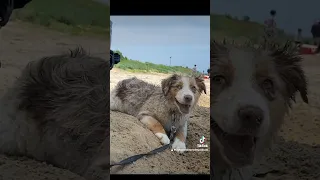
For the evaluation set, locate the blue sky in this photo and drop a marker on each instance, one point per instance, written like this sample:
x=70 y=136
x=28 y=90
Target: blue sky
x=155 y=38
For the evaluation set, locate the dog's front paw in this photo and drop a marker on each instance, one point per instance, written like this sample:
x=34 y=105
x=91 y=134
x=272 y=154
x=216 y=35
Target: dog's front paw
x=178 y=145
x=164 y=139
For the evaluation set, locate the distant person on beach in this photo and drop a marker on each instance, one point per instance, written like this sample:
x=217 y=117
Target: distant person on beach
x=270 y=26
x=317 y=38
x=315 y=31
x=194 y=70
x=298 y=38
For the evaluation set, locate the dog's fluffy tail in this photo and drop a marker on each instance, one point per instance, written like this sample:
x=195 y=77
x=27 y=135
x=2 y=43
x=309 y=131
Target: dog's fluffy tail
x=130 y=94
x=58 y=110
x=56 y=88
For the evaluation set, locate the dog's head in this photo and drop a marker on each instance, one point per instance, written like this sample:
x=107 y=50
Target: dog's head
x=183 y=92
x=251 y=91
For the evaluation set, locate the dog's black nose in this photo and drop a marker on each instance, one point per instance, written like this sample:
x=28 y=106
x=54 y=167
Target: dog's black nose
x=250 y=116
x=188 y=98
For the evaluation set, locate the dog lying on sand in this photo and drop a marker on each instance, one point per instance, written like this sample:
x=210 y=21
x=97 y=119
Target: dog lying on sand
x=251 y=91
x=160 y=108
x=58 y=111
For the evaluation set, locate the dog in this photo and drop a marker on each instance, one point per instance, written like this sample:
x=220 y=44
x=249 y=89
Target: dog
x=251 y=91
x=57 y=111
x=160 y=108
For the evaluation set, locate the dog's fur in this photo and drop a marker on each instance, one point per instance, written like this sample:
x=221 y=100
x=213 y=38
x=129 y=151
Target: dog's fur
x=58 y=112
x=251 y=91
x=160 y=107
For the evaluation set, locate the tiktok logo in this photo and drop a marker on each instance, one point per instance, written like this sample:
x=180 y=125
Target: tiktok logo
x=202 y=139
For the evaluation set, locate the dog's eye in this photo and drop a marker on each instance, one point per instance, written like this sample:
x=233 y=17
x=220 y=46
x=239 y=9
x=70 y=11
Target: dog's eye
x=193 y=88
x=179 y=86
x=218 y=80
x=267 y=84
x=268 y=88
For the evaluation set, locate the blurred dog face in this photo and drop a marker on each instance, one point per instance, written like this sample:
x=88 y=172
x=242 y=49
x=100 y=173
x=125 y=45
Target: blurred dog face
x=250 y=94
x=183 y=92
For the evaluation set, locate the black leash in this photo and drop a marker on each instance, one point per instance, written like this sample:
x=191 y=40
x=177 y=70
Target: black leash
x=134 y=158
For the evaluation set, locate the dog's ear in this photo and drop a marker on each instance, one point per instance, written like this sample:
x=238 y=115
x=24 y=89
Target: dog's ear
x=218 y=49
x=300 y=84
x=200 y=84
x=291 y=72
x=168 y=82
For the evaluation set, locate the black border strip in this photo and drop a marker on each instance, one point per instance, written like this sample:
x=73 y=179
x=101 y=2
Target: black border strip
x=159 y=7
x=160 y=177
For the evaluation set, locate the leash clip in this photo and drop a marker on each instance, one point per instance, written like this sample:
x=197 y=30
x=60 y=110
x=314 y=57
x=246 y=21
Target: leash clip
x=173 y=132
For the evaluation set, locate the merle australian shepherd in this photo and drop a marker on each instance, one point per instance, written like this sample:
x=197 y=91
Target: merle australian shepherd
x=251 y=91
